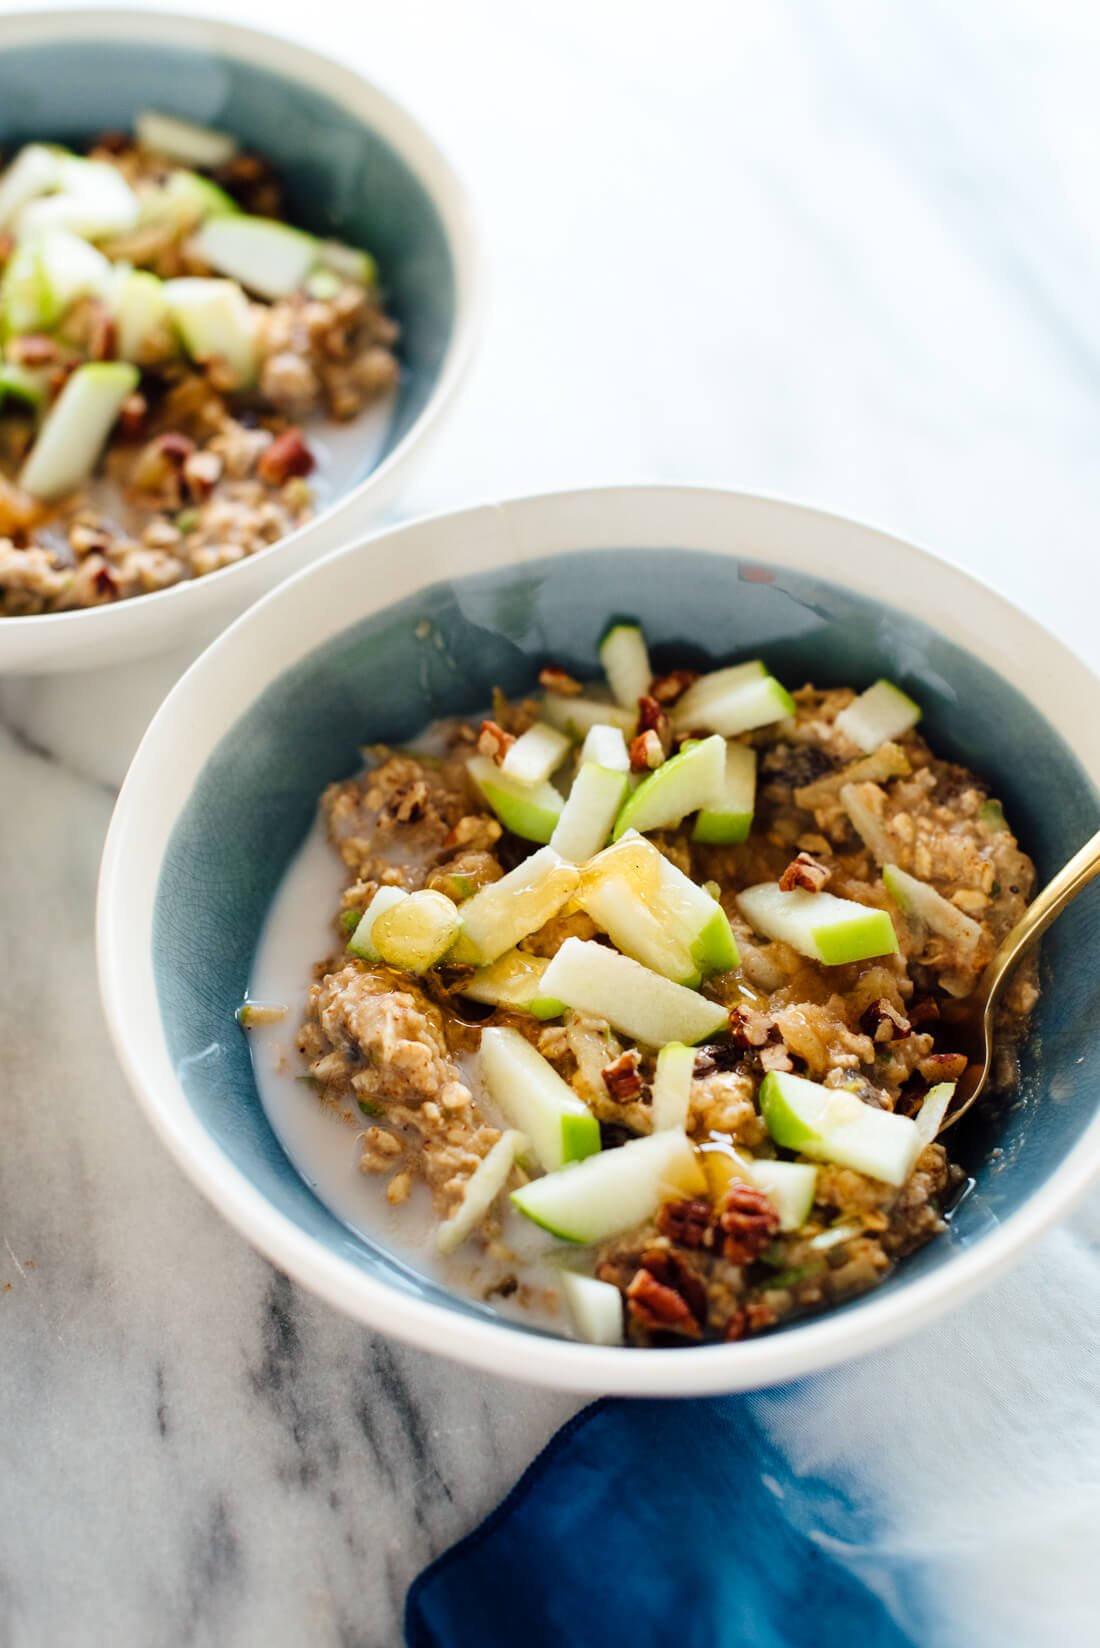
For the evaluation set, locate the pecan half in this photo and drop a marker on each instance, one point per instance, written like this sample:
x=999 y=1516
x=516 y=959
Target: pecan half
x=882 y=1022
x=287 y=456
x=666 y=689
x=806 y=873
x=646 y=752
x=666 y=1296
x=690 y=1223
x=555 y=679
x=652 y=718
x=747 y=1221
x=493 y=741
x=623 y=1079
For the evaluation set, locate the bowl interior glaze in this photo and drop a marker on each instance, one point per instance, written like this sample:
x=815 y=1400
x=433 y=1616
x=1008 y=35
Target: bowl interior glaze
x=384 y=677
x=343 y=179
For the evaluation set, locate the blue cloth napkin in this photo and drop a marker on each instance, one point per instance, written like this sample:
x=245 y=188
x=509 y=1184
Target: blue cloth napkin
x=944 y=1493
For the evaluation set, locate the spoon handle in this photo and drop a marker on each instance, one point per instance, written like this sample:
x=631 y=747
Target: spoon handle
x=1072 y=879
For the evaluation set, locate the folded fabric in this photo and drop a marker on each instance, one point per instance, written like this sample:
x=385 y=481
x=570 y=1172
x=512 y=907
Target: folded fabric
x=647 y=1522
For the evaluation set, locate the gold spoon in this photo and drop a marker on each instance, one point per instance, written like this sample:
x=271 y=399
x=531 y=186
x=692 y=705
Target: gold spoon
x=982 y=1007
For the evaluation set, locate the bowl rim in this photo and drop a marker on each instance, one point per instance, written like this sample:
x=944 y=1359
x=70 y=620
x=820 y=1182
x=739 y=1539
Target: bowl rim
x=285 y=56
x=632 y=514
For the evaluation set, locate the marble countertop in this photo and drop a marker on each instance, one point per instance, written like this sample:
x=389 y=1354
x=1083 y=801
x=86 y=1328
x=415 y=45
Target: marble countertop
x=829 y=250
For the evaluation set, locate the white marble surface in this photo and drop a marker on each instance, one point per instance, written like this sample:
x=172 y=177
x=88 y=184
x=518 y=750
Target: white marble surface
x=837 y=251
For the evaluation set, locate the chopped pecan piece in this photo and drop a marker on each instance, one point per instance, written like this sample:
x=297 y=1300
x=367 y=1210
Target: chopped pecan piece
x=408 y=804
x=690 y=1223
x=287 y=456
x=555 y=679
x=131 y=420
x=159 y=468
x=882 y=1022
x=623 y=1079
x=923 y=1010
x=652 y=718
x=749 y=1028
x=751 y=1318
x=202 y=471
x=737 y=1326
x=493 y=741
x=32 y=349
x=646 y=752
x=666 y=1296
x=666 y=689
x=775 y=1057
x=103 y=335
x=719 y=1055
x=747 y=1221
x=806 y=873
x=939 y=1067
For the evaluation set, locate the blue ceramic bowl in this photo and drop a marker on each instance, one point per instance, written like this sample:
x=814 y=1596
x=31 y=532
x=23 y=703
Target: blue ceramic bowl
x=225 y=785
x=357 y=168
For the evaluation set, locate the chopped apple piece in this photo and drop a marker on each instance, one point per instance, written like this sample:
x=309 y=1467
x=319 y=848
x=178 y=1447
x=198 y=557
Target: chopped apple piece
x=608 y=1193
x=186 y=199
x=687 y=783
x=636 y=929
x=530 y=811
x=605 y=746
x=92 y=198
x=269 y=258
x=482 y=1189
x=506 y=911
x=882 y=712
x=216 y=322
x=536 y=754
x=577 y=716
x=23 y=384
x=625 y=658
x=25 y=295
x=819 y=925
x=590 y=809
x=416 y=932
x=833 y=1125
x=917 y=898
x=929 y=1118
x=530 y=1094
x=349 y=262
x=789 y=1186
x=866 y=822
x=651 y=910
x=182 y=140
x=140 y=311
x=71 y=269
x=712 y=688
x=753 y=701
x=596 y=1308
x=729 y=820
x=361 y=942
x=640 y=1003
x=672 y=1086
x=514 y=981
x=76 y=428
x=35 y=171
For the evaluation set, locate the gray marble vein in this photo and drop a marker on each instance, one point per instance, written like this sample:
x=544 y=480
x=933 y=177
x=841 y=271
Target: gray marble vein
x=821 y=248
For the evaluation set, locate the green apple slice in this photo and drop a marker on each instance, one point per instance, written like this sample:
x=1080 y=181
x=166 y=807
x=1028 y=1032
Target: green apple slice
x=819 y=925
x=22 y=384
x=577 y=716
x=730 y=819
x=625 y=658
x=482 y=1189
x=183 y=140
x=349 y=262
x=267 y=257
x=92 y=198
x=651 y=1009
x=216 y=322
x=671 y=1101
x=514 y=981
x=929 y=1118
x=789 y=1186
x=686 y=784
x=536 y=754
x=361 y=942
x=635 y=929
x=24 y=294
x=76 y=428
x=832 y=1125
x=605 y=746
x=140 y=311
x=754 y=702
x=609 y=1193
x=416 y=932
x=530 y=1094
x=881 y=713
x=530 y=811
x=867 y=824
x=686 y=915
x=917 y=898
x=506 y=911
x=595 y=1308
x=714 y=687
x=186 y=199
x=590 y=810
x=35 y=171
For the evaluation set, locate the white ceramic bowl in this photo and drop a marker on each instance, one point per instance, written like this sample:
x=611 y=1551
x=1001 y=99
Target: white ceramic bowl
x=69 y=74
x=223 y=786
